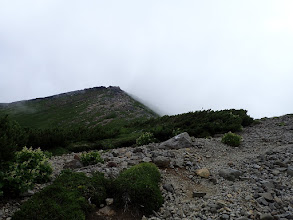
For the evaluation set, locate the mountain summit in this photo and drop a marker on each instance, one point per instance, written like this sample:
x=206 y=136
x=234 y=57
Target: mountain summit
x=88 y=107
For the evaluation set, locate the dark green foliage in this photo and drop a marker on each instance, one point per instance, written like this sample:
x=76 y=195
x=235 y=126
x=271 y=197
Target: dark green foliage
x=91 y=158
x=12 y=138
x=231 y=139
x=122 y=133
x=54 y=203
x=67 y=198
x=93 y=188
x=197 y=124
x=138 y=187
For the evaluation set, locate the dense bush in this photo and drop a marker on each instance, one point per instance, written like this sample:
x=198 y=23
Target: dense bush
x=29 y=167
x=54 y=203
x=231 y=139
x=91 y=188
x=70 y=195
x=138 y=187
x=91 y=158
x=145 y=139
x=121 y=133
x=12 y=138
x=67 y=198
x=197 y=124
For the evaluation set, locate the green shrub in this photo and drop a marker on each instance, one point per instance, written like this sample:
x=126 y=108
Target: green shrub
x=29 y=167
x=145 y=139
x=12 y=138
x=54 y=203
x=1 y=183
x=67 y=198
x=231 y=139
x=138 y=187
x=91 y=188
x=91 y=158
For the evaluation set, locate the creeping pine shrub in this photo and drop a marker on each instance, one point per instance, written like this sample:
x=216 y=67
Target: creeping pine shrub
x=67 y=198
x=91 y=158
x=29 y=167
x=231 y=139
x=91 y=188
x=138 y=187
x=145 y=139
x=54 y=203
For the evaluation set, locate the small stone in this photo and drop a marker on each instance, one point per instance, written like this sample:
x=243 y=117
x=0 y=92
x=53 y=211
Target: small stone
x=204 y=172
x=267 y=196
x=106 y=211
x=266 y=217
x=290 y=171
x=128 y=154
x=230 y=174
x=198 y=194
x=256 y=166
x=73 y=164
x=109 y=201
x=137 y=150
x=168 y=187
x=281 y=164
x=146 y=159
x=76 y=157
x=225 y=216
x=111 y=164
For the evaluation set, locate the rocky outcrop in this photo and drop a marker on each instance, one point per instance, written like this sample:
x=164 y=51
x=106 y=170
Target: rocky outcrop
x=182 y=140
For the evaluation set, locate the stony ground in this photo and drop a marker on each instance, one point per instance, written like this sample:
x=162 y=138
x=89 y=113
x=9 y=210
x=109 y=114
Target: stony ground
x=210 y=180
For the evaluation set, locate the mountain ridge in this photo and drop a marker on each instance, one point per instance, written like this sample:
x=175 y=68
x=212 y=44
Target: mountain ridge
x=87 y=107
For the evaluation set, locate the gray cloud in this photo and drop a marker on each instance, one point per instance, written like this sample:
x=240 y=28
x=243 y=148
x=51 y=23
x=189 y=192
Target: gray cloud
x=178 y=56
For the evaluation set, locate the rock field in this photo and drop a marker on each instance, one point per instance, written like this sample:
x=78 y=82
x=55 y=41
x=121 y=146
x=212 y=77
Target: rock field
x=206 y=179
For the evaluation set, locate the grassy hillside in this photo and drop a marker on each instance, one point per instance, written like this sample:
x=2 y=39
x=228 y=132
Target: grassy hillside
x=85 y=108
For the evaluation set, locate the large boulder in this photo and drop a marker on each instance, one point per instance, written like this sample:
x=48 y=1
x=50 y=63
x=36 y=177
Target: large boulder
x=182 y=140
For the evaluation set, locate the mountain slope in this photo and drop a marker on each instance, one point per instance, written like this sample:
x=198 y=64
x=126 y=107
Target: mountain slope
x=88 y=107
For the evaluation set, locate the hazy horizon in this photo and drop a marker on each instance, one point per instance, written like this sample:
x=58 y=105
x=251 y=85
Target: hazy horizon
x=174 y=56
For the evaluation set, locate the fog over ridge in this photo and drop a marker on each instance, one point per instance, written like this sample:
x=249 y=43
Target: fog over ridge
x=177 y=56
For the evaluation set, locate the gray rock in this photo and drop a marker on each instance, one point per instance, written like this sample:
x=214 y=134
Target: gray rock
x=109 y=201
x=268 y=185
x=281 y=164
x=73 y=164
x=230 y=174
x=242 y=218
x=266 y=217
x=225 y=216
x=146 y=159
x=168 y=187
x=198 y=194
x=267 y=196
x=262 y=201
x=290 y=171
x=182 y=140
x=161 y=161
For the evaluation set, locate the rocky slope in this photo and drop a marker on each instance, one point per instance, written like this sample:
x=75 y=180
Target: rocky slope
x=205 y=179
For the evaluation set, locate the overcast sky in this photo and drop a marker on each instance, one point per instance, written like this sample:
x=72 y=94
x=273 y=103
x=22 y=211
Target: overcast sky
x=178 y=56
